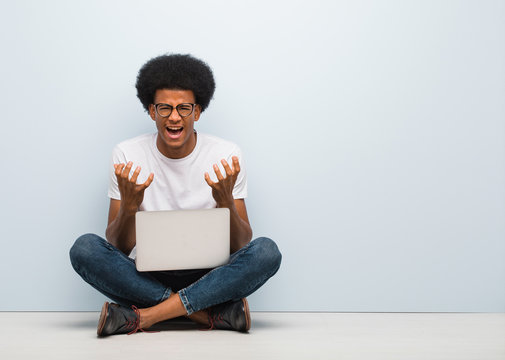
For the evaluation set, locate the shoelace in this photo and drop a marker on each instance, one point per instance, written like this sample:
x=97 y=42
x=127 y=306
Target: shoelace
x=136 y=324
x=212 y=320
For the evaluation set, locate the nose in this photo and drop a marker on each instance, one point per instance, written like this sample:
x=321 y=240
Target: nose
x=174 y=116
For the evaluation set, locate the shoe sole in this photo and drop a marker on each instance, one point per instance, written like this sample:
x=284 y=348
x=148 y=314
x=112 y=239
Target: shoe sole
x=247 y=315
x=103 y=317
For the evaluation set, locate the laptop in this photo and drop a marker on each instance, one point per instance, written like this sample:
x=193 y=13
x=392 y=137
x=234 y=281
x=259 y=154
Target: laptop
x=182 y=239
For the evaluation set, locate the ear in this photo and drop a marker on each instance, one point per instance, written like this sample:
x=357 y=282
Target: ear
x=198 y=111
x=152 y=112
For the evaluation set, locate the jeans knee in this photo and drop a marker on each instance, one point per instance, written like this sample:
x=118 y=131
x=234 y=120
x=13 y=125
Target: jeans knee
x=82 y=249
x=269 y=253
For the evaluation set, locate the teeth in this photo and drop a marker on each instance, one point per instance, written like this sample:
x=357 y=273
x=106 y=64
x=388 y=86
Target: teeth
x=174 y=128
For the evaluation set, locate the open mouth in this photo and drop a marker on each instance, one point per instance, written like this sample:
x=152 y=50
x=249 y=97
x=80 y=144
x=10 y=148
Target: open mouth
x=174 y=131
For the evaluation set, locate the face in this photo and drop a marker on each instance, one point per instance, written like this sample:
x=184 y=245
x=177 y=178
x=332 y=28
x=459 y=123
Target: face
x=176 y=138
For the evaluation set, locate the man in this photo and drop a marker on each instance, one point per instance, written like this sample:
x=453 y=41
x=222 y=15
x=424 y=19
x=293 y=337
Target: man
x=171 y=171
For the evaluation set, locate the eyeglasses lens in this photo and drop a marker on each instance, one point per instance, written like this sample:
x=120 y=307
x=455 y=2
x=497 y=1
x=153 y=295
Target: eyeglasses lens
x=164 y=110
x=185 y=109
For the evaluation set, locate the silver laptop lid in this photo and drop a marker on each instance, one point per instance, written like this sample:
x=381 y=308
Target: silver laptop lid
x=182 y=239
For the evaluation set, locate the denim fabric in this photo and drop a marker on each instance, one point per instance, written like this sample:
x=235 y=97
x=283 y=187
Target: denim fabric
x=113 y=273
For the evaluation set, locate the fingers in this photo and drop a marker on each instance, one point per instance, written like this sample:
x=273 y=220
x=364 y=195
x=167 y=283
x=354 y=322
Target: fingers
x=208 y=180
x=229 y=172
x=218 y=172
x=135 y=175
x=122 y=172
x=117 y=169
x=236 y=165
x=126 y=170
x=148 y=181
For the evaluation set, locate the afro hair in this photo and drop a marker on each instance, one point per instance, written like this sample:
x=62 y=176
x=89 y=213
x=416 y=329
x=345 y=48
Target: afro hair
x=177 y=72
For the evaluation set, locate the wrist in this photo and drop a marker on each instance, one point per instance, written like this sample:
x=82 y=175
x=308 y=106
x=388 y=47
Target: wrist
x=230 y=204
x=127 y=211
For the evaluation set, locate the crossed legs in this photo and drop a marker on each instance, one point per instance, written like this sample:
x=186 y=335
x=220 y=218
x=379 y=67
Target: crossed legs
x=114 y=274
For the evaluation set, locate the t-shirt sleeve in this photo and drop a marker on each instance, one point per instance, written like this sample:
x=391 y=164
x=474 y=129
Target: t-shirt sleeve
x=118 y=157
x=240 y=188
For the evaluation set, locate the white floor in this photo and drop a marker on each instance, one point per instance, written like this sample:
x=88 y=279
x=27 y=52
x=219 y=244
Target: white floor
x=72 y=336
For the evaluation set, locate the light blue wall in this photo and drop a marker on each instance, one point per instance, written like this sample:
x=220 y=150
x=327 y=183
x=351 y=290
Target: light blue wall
x=373 y=132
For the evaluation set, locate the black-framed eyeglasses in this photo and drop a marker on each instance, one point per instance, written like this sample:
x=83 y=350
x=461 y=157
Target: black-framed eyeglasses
x=184 y=109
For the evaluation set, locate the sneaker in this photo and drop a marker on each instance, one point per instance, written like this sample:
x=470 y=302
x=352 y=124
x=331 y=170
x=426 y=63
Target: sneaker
x=232 y=315
x=117 y=319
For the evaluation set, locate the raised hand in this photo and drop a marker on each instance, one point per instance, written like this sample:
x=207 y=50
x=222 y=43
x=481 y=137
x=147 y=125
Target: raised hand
x=132 y=194
x=222 y=190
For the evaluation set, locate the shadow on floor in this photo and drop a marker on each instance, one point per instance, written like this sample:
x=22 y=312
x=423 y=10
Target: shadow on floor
x=81 y=324
x=264 y=324
x=180 y=323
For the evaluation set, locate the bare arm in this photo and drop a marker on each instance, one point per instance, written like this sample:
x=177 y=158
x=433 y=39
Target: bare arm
x=240 y=230
x=120 y=230
x=121 y=227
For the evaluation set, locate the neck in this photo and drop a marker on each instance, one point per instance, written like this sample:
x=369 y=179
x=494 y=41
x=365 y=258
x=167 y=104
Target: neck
x=176 y=152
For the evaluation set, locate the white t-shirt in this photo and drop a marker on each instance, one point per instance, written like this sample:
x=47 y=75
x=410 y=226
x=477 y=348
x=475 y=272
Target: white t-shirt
x=178 y=184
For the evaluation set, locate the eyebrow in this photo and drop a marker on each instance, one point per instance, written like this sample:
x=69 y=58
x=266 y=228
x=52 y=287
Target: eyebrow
x=175 y=105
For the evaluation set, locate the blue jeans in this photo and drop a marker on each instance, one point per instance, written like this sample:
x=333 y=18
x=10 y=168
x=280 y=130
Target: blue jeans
x=114 y=274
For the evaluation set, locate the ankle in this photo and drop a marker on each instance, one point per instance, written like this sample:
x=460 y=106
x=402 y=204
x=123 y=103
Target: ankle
x=200 y=317
x=145 y=319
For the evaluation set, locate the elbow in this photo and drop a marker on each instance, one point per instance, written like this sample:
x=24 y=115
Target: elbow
x=242 y=241
x=248 y=235
x=113 y=241
x=110 y=239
